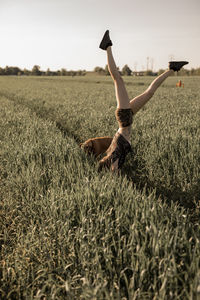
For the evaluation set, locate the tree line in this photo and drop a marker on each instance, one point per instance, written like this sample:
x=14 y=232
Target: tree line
x=37 y=72
x=125 y=71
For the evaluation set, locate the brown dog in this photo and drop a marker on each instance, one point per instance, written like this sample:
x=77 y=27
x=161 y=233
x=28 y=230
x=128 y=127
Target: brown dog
x=96 y=146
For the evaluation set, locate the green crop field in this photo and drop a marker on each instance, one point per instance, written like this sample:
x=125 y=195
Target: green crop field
x=68 y=231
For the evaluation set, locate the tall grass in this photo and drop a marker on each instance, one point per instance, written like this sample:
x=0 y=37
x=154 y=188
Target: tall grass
x=70 y=232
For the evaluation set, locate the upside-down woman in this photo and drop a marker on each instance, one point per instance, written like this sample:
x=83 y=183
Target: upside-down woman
x=120 y=144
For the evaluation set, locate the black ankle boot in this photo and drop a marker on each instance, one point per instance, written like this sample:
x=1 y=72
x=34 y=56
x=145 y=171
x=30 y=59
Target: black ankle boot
x=106 y=41
x=177 y=65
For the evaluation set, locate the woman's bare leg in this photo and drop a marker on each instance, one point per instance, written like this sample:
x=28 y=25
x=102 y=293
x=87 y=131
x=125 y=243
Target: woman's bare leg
x=138 y=102
x=120 y=90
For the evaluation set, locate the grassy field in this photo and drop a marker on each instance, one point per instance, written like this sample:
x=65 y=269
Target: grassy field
x=70 y=232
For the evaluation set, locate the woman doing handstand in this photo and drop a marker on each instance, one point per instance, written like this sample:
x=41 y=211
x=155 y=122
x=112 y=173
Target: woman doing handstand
x=120 y=145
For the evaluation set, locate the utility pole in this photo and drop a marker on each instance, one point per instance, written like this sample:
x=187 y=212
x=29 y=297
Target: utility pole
x=135 y=66
x=152 y=64
x=147 y=63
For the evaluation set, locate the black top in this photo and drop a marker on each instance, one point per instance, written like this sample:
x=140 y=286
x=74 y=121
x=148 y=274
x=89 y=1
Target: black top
x=123 y=147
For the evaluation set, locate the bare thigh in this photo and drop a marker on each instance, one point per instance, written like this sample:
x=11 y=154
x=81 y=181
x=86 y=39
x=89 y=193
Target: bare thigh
x=138 y=102
x=121 y=94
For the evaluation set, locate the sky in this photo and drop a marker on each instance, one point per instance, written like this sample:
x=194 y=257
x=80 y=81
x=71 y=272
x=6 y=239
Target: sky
x=59 y=34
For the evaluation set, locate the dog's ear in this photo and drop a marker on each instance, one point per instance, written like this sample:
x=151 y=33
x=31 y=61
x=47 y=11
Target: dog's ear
x=90 y=143
x=86 y=145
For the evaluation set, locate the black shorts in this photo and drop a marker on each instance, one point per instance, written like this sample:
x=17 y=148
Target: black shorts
x=124 y=117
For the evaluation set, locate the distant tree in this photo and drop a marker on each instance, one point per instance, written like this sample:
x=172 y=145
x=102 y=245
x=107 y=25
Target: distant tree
x=54 y=73
x=99 y=70
x=71 y=73
x=2 y=72
x=6 y=70
x=192 y=71
x=184 y=72
x=81 y=72
x=14 y=70
x=126 y=71
x=96 y=69
x=161 y=71
x=48 y=72
x=84 y=72
x=63 y=72
x=11 y=70
x=149 y=73
x=107 y=70
x=198 y=71
x=26 y=72
x=36 y=70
